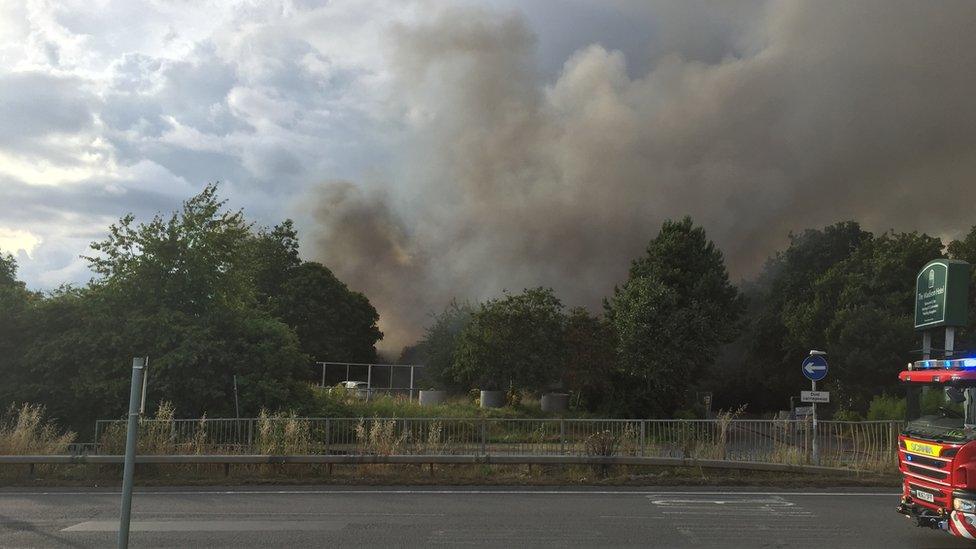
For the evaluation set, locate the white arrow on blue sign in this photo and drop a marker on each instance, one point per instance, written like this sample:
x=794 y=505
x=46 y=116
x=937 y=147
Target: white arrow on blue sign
x=814 y=367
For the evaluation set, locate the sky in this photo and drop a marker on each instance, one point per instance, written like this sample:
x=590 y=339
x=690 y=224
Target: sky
x=430 y=150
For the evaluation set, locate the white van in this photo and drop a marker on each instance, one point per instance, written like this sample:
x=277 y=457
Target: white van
x=359 y=388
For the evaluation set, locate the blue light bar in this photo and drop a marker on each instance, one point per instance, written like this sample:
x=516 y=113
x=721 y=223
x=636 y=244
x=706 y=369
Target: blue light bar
x=954 y=364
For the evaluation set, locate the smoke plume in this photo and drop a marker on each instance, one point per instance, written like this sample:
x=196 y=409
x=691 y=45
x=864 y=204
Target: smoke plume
x=807 y=113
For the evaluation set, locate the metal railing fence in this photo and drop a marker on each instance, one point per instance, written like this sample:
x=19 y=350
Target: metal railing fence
x=867 y=445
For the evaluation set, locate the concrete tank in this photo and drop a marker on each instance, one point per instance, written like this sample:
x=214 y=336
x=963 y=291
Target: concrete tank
x=431 y=398
x=492 y=399
x=555 y=402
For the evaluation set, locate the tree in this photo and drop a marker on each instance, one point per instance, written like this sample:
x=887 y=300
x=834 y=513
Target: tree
x=670 y=318
x=590 y=359
x=332 y=322
x=861 y=312
x=965 y=250
x=760 y=366
x=274 y=255
x=181 y=291
x=15 y=301
x=438 y=348
x=516 y=340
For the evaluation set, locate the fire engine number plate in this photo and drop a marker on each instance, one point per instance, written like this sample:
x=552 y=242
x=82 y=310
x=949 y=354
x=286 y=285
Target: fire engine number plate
x=924 y=496
x=922 y=448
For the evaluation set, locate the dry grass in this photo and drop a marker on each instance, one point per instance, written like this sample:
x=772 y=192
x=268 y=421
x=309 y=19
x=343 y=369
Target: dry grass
x=379 y=437
x=283 y=434
x=25 y=431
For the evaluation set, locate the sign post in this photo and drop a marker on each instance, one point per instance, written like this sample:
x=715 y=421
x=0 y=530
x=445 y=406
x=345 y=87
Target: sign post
x=814 y=368
x=132 y=431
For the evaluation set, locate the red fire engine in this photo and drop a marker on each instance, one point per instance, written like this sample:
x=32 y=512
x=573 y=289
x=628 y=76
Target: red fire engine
x=937 y=453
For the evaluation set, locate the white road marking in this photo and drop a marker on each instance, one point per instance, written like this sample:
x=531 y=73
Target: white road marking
x=208 y=526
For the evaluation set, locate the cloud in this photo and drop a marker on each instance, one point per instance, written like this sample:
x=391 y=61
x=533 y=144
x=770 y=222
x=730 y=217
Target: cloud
x=17 y=241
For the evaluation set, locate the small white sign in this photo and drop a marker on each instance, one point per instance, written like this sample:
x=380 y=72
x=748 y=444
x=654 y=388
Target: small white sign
x=803 y=411
x=819 y=397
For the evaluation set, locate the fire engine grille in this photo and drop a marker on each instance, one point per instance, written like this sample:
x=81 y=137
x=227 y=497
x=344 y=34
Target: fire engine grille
x=928 y=473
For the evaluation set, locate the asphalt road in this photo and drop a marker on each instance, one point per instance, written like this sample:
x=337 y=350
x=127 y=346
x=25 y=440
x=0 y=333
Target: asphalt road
x=499 y=517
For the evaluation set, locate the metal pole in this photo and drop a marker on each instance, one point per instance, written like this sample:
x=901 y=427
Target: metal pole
x=950 y=340
x=347 y=372
x=411 y=382
x=369 y=381
x=816 y=453
x=237 y=405
x=323 y=374
x=926 y=345
x=138 y=364
x=145 y=381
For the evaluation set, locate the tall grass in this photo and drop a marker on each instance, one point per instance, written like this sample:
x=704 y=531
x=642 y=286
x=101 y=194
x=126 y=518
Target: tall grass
x=339 y=403
x=379 y=437
x=25 y=431
x=283 y=434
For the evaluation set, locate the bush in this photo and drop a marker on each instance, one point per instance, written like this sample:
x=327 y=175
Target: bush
x=684 y=413
x=847 y=415
x=886 y=407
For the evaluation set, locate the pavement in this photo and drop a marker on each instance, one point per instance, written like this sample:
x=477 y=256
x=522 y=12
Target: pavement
x=493 y=517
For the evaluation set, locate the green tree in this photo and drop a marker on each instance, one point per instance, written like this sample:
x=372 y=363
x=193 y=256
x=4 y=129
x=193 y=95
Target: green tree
x=965 y=250
x=180 y=290
x=761 y=366
x=332 y=322
x=861 y=313
x=15 y=302
x=274 y=255
x=590 y=359
x=517 y=340
x=670 y=319
x=438 y=348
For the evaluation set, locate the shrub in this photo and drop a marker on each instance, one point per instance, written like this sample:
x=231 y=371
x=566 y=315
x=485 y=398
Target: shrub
x=847 y=415
x=886 y=407
x=601 y=443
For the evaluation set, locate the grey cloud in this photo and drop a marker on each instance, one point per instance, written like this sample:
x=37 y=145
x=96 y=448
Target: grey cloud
x=801 y=114
x=35 y=104
x=25 y=204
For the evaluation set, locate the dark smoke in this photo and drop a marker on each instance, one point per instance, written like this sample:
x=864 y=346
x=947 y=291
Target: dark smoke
x=809 y=113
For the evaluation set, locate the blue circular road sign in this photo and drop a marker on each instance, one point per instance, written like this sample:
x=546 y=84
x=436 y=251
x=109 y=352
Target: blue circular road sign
x=814 y=367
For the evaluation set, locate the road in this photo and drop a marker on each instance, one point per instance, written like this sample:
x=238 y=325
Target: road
x=499 y=517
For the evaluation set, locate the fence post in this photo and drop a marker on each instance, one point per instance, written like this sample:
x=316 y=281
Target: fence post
x=484 y=437
x=643 y=434
x=807 y=431
x=562 y=436
x=328 y=435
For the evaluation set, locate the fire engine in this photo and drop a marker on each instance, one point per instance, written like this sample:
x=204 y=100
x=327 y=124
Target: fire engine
x=937 y=452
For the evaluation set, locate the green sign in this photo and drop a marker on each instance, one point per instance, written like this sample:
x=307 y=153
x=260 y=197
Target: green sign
x=942 y=294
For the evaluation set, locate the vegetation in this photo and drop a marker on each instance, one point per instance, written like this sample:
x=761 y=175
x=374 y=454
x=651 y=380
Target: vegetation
x=26 y=431
x=207 y=296
x=514 y=341
x=200 y=293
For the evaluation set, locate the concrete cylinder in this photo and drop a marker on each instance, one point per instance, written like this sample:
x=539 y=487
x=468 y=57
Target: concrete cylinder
x=555 y=402
x=431 y=398
x=492 y=399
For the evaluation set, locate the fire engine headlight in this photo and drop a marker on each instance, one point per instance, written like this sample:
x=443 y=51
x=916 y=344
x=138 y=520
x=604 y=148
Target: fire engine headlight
x=964 y=505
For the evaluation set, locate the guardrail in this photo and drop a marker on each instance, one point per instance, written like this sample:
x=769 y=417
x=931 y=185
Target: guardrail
x=858 y=445
x=228 y=460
